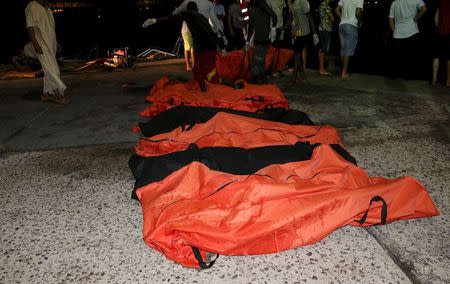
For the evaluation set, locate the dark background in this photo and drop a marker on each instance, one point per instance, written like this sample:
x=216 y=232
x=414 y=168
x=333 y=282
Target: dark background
x=85 y=32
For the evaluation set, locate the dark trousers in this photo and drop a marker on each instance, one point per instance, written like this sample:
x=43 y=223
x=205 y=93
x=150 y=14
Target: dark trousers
x=406 y=57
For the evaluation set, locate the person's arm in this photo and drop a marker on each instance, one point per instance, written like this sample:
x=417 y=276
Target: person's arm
x=330 y=15
x=221 y=15
x=251 y=28
x=436 y=18
x=422 y=12
x=230 y=24
x=338 y=11
x=33 y=40
x=311 y=23
x=359 y=10
x=392 y=24
x=153 y=21
x=359 y=14
x=392 y=18
x=181 y=8
x=214 y=21
x=269 y=10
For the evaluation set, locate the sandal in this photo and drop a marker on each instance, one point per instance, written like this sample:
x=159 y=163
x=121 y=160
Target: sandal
x=62 y=100
x=48 y=98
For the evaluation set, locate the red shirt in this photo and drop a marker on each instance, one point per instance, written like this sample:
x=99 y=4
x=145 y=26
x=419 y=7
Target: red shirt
x=444 y=17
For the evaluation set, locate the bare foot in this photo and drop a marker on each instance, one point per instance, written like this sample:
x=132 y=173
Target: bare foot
x=434 y=82
x=324 y=72
x=345 y=76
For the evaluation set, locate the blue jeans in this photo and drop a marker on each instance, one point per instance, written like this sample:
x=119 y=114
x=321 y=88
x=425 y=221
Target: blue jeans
x=348 y=36
x=325 y=40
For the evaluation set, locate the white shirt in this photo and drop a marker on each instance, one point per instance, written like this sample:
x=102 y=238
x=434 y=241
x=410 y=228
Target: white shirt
x=206 y=8
x=348 y=11
x=403 y=13
x=300 y=21
x=43 y=23
x=277 y=7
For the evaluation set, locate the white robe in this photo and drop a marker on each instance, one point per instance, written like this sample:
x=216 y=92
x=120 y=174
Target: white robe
x=43 y=23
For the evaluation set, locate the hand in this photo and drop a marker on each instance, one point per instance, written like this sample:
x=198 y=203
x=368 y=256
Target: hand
x=224 y=40
x=273 y=34
x=316 y=39
x=38 y=48
x=149 y=22
x=247 y=47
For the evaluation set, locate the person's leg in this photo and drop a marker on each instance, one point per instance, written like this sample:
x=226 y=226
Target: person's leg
x=304 y=58
x=192 y=57
x=342 y=41
x=435 y=71
x=448 y=74
x=325 y=40
x=351 y=39
x=187 y=60
x=298 y=58
x=188 y=43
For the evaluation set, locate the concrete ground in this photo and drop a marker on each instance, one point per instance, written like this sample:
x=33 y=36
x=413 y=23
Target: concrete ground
x=66 y=213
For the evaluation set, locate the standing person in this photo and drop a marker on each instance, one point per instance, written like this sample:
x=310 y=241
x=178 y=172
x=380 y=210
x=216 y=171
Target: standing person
x=43 y=46
x=350 y=12
x=220 y=13
x=403 y=18
x=442 y=20
x=205 y=42
x=205 y=8
x=235 y=27
x=277 y=7
x=262 y=23
x=302 y=24
x=325 y=28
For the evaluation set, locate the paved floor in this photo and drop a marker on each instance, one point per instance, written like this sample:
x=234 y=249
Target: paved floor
x=66 y=215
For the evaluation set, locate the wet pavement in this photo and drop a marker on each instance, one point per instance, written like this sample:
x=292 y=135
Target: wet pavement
x=66 y=213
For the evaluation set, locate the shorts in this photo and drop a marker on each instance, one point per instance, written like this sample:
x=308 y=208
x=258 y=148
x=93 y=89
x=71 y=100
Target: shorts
x=188 y=41
x=325 y=40
x=301 y=42
x=348 y=36
x=205 y=67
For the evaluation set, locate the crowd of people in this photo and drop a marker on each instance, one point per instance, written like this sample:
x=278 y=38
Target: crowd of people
x=208 y=26
x=290 y=24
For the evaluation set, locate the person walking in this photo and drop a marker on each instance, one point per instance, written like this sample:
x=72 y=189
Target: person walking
x=262 y=27
x=43 y=46
x=403 y=18
x=326 y=18
x=442 y=20
x=302 y=25
x=350 y=13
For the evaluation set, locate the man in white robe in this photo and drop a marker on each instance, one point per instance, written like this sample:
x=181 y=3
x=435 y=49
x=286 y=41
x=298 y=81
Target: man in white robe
x=41 y=30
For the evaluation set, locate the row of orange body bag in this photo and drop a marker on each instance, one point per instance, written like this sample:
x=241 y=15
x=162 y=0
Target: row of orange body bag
x=236 y=172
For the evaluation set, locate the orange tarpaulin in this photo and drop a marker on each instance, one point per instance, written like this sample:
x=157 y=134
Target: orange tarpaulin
x=278 y=208
x=230 y=130
x=236 y=64
x=165 y=95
